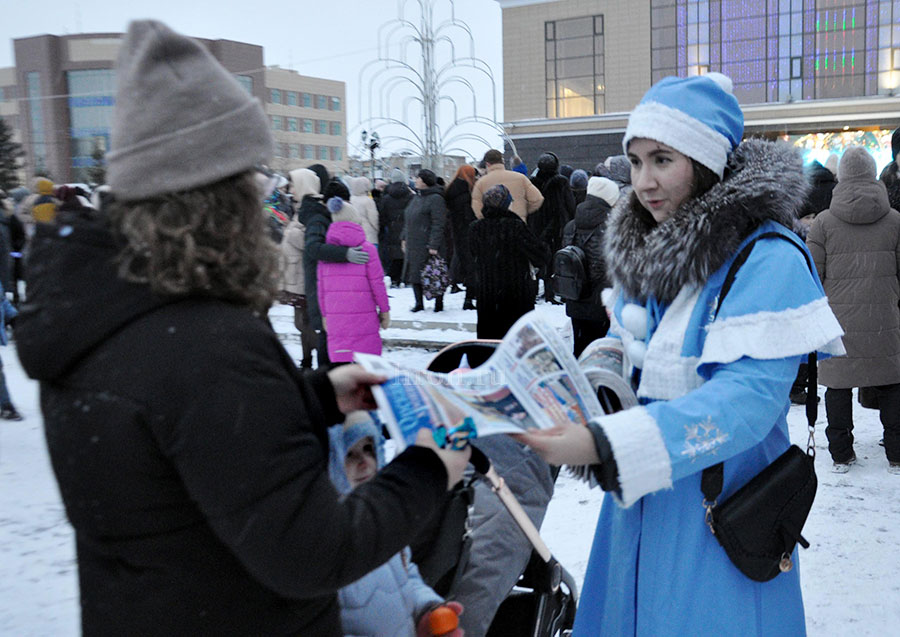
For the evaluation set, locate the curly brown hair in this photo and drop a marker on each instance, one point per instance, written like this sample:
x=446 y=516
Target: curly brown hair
x=209 y=241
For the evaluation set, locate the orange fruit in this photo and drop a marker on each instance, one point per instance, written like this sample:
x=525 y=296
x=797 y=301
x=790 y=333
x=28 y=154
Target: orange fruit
x=442 y=621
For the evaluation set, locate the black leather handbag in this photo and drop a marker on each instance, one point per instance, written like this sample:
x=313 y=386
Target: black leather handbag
x=760 y=524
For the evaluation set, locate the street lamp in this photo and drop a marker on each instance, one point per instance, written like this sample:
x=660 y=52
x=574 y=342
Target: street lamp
x=372 y=142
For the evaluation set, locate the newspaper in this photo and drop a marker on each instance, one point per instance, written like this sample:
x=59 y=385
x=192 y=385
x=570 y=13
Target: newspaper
x=531 y=381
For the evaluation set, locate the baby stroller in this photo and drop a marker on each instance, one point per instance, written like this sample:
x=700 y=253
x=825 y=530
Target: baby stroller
x=543 y=601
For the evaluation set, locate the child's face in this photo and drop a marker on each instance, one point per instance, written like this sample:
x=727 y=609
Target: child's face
x=360 y=464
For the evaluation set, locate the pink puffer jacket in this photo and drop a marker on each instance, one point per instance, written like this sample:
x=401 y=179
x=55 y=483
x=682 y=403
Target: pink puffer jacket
x=351 y=296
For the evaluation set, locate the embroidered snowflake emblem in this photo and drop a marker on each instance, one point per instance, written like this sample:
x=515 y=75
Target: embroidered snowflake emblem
x=702 y=438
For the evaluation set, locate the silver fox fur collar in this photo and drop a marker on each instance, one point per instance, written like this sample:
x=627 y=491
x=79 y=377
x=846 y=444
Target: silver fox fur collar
x=763 y=180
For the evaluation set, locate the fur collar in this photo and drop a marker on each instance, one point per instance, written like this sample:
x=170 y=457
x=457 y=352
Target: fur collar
x=763 y=181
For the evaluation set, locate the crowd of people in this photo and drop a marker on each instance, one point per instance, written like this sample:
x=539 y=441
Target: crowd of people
x=215 y=487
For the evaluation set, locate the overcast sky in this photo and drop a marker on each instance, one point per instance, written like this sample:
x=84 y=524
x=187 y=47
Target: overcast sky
x=323 y=38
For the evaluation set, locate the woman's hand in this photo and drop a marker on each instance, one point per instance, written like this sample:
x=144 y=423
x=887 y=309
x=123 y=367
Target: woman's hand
x=564 y=444
x=353 y=387
x=454 y=461
x=432 y=251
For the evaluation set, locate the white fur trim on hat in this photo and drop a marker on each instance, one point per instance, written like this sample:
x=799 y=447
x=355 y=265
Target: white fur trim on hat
x=672 y=127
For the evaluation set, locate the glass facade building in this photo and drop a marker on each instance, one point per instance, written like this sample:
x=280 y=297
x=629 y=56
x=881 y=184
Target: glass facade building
x=781 y=50
x=573 y=55
x=91 y=101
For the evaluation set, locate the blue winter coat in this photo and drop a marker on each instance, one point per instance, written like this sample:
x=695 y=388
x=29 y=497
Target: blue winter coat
x=712 y=389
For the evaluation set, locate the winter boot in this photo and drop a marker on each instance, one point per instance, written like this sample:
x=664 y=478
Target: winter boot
x=439 y=303
x=8 y=412
x=843 y=467
x=417 y=291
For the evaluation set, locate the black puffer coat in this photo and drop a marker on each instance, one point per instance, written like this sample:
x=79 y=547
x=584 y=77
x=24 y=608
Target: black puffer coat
x=822 y=183
x=557 y=210
x=391 y=204
x=423 y=230
x=890 y=177
x=191 y=456
x=502 y=249
x=317 y=218
x=586 y=231
x=459 y=211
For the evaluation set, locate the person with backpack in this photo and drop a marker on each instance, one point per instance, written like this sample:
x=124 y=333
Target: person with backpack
x=712 y=368
x=580 y=275
x=503 y=251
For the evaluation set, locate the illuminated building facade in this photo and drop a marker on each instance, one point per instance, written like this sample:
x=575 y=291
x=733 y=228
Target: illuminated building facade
x=573 y=69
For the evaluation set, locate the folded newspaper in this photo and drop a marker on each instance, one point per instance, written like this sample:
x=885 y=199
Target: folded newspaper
x=531 y=381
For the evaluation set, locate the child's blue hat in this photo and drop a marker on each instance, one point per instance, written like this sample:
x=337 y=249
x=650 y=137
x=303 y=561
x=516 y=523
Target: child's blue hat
x=698 y=116
x=341 y=439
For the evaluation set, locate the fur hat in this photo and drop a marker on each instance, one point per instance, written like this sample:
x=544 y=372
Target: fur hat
x=427 y=176
x=398 y=176
x=603 y=188
x=548 y=162
x=856 y=163
x=181 y=120
x=578 y=179
x=698 y=116
x=497 y=198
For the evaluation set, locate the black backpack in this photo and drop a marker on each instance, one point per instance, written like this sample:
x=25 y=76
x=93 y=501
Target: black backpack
x=570 y=272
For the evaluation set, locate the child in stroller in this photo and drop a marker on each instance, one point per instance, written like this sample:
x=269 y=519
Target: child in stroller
x=392 y=600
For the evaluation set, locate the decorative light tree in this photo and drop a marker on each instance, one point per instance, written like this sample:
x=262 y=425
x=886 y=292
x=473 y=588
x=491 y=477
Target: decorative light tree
x=413 y=91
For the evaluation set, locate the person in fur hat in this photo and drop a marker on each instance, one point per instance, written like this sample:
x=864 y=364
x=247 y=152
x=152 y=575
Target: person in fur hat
x=712 y=374
x=190 y=452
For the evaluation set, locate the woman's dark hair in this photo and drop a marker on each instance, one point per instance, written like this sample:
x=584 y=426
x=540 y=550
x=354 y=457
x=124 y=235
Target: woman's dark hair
x=427 y=176
x=336 y=188
x=209 y=241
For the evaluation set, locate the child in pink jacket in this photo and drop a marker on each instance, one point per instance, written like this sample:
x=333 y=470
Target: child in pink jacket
x=352 y=296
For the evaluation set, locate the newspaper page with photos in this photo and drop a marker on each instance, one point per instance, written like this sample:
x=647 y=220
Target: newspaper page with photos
x=531 y=381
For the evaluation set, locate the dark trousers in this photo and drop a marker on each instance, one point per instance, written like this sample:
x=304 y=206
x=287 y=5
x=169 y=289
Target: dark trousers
x=419 y=294
x=586 y=331
x=839 y=412
x=307 y=335
x=322 y=359
x=395 y=271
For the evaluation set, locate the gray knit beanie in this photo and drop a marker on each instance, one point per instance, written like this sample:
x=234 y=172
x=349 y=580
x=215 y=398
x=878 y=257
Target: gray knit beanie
x=856 y=163
x=398 y=176
x=181 y=120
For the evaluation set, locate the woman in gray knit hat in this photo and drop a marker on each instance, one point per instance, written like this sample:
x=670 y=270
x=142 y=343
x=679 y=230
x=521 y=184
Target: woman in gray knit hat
x=191 y=454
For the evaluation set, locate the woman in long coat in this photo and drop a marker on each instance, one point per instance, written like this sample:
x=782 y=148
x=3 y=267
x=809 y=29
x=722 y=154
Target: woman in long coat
x=856 y=247
x=712 y=373
x=502 y=250
x=391 y=207
x=459 y=210
x=423 y=234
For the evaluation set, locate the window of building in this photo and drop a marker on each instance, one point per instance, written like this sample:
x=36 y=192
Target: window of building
x=276 y=122
x=307 y=100
x=307 y=126
x=574 y=60
x=308 y=151
x=90 y=103
x=7 y=93
x=246 y=81
x=321 y=127
x=292 y=124
x=275 y=96
x=336 y=154
x=335 y=128
x=321 y=101
x=323 y=152
x=294 y=151
x=335 y=103
x=292 y=98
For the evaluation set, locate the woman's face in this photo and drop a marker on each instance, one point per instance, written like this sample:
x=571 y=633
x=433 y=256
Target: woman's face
x=420 y=185
x=661 y=176
x=360 y=464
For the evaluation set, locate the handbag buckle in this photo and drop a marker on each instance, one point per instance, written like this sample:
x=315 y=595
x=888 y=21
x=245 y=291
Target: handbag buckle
x=709 y=514
x=811 y=442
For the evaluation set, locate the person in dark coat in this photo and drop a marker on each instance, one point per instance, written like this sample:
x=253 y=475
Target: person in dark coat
x=191 y=453
x=459 y=211
x=391 y=206
x=503 y=250
x=890 y=174
x=589 y=318
x=316 y=217
x=578 y=182
x=423 y=234
x=557 y=210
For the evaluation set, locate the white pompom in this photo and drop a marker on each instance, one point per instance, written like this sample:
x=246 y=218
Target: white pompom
x=722 y=80
x=636 y=351
x=634 y=319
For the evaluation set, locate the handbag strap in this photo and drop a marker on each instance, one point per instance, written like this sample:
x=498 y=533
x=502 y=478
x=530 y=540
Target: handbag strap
x=712 y=479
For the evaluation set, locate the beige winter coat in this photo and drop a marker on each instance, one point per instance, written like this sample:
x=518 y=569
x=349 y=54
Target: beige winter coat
x=526 y=198
x=856 y=247
x=365 y=207
x=292 y=257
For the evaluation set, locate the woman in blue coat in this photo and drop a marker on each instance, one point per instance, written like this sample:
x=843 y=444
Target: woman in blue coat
x=712 y=381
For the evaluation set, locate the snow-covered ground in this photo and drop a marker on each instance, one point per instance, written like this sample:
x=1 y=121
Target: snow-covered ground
x=850 y=575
